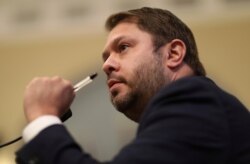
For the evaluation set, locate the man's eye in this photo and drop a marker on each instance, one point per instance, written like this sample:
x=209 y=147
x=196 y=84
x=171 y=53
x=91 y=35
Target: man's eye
x=123 y=47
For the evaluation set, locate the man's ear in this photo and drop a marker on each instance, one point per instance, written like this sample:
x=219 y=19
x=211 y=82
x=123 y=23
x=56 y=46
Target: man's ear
x=175 y=53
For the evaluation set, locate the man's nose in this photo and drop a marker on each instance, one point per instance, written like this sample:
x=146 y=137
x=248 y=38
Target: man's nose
x=110 y=65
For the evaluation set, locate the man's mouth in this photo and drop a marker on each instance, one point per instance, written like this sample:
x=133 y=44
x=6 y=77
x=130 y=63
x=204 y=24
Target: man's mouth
x=112 y=82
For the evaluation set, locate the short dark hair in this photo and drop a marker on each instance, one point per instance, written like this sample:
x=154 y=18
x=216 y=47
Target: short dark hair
x=164 y=27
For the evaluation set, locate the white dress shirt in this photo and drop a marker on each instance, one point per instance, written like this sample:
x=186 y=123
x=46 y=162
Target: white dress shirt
x=37 y=125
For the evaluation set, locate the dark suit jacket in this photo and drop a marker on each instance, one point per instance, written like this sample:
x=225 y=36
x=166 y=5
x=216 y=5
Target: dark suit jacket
x=191 y=121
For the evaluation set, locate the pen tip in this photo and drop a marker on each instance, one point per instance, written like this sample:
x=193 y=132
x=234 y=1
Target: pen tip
x=93 y=75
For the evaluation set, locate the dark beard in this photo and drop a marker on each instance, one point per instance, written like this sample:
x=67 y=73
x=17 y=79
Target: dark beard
x=148 y=79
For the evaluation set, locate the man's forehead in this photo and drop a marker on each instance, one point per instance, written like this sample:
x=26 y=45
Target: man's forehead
x=123 y=30
x=117 y=33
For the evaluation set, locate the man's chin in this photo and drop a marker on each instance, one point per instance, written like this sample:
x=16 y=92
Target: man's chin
x=128 y=112
x=125 y=105
x=120 y=102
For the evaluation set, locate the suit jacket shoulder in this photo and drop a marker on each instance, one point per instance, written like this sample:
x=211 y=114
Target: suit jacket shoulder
x=198 y=117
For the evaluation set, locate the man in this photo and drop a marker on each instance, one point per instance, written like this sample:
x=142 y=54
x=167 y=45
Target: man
x=155 y=78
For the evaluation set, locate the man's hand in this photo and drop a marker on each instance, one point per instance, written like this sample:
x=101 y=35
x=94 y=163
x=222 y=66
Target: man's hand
x=47 y=96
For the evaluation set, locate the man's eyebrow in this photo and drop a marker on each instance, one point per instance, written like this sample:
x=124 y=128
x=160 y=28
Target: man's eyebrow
x=105 y=53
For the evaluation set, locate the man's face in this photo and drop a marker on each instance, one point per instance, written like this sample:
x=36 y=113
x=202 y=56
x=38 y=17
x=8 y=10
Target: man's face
x=134 y=71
